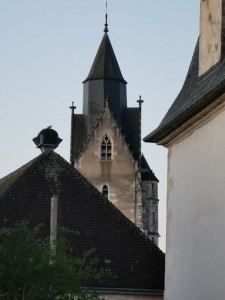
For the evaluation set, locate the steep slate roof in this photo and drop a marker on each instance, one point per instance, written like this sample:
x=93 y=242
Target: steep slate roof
x=130 y=129
x=196 y=94
x=135 y=260
x=149 y=175
x=79 y=133
x=105 y=65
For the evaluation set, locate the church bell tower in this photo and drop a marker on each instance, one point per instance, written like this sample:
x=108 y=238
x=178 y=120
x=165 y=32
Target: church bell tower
x=106 y=142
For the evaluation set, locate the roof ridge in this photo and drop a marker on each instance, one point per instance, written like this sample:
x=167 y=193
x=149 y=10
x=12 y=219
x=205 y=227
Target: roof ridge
x=10 y=179
x=20 y=172
x=89 y=136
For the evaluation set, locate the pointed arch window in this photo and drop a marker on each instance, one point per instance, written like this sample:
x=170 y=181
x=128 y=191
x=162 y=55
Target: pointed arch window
x=105 y=191
x=106 y=148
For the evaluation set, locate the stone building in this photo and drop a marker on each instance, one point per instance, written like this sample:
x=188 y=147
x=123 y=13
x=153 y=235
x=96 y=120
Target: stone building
x=193 y=132
x=106 y=143
x=136 y=263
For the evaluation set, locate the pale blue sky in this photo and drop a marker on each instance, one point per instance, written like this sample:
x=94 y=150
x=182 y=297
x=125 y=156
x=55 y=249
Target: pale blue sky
x=46 y=51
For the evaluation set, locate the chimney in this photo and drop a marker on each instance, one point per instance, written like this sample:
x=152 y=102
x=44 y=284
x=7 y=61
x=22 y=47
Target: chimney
x=212 y=26
x=53 y=221
x=47 y=139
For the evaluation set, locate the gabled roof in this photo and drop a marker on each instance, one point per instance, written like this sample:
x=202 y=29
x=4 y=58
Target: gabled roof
x=134 y=259
x=196 y=94
x=78 y=134
x=105 y=65
x=130 y=129
x=7 y=181
x=147 y=173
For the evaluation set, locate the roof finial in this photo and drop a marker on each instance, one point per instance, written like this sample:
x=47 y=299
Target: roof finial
x=72 y=108
x=140 y=101
x=106 y=16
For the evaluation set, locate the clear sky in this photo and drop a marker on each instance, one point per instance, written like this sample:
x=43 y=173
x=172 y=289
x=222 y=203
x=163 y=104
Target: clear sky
x=47 y=48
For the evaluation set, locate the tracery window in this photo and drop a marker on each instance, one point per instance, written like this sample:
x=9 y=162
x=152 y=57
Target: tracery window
x=105 y=191
x=106 y=148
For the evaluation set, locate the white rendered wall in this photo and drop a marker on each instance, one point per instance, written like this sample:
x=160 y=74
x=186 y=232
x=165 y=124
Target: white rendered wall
x=195 y=258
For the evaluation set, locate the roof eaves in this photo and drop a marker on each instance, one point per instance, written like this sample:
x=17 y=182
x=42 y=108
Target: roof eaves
x=103 y=78
x=124 y=291
x=198 y=104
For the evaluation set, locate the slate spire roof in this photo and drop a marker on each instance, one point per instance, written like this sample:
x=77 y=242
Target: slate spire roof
x=147 y=173
x=196 y=94
x=105 y=65
x=26 y=193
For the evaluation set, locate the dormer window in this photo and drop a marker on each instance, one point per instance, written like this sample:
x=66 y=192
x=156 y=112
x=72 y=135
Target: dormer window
x=105 y=191
x=106 y=148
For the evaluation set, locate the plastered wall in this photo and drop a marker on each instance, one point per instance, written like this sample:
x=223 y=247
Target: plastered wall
x=195 y=264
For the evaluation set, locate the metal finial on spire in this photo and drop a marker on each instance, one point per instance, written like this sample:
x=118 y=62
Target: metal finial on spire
x=72 y=108
x=140 y=101
x=106 y=16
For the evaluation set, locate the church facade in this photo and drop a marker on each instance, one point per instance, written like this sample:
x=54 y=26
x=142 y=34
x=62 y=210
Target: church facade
x=106 y=143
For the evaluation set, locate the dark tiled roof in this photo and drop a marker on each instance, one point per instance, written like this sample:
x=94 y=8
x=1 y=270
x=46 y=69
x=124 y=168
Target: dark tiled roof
x=79 y=133
x=196 y=94
x=130 y=129
x=135 y=260
x=149 y=175
x=105 y=65
x=7 y=181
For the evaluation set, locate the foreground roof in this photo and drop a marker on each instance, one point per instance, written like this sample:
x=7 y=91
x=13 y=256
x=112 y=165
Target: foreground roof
x=196 y=94
x=120 y=245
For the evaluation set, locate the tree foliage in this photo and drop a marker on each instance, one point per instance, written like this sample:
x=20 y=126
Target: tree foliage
x=29 y=269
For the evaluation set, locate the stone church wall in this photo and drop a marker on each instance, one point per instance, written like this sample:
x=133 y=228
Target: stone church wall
x=118 y=174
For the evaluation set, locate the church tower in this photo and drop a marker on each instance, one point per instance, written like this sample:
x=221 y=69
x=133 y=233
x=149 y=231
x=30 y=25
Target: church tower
x=106 y=143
